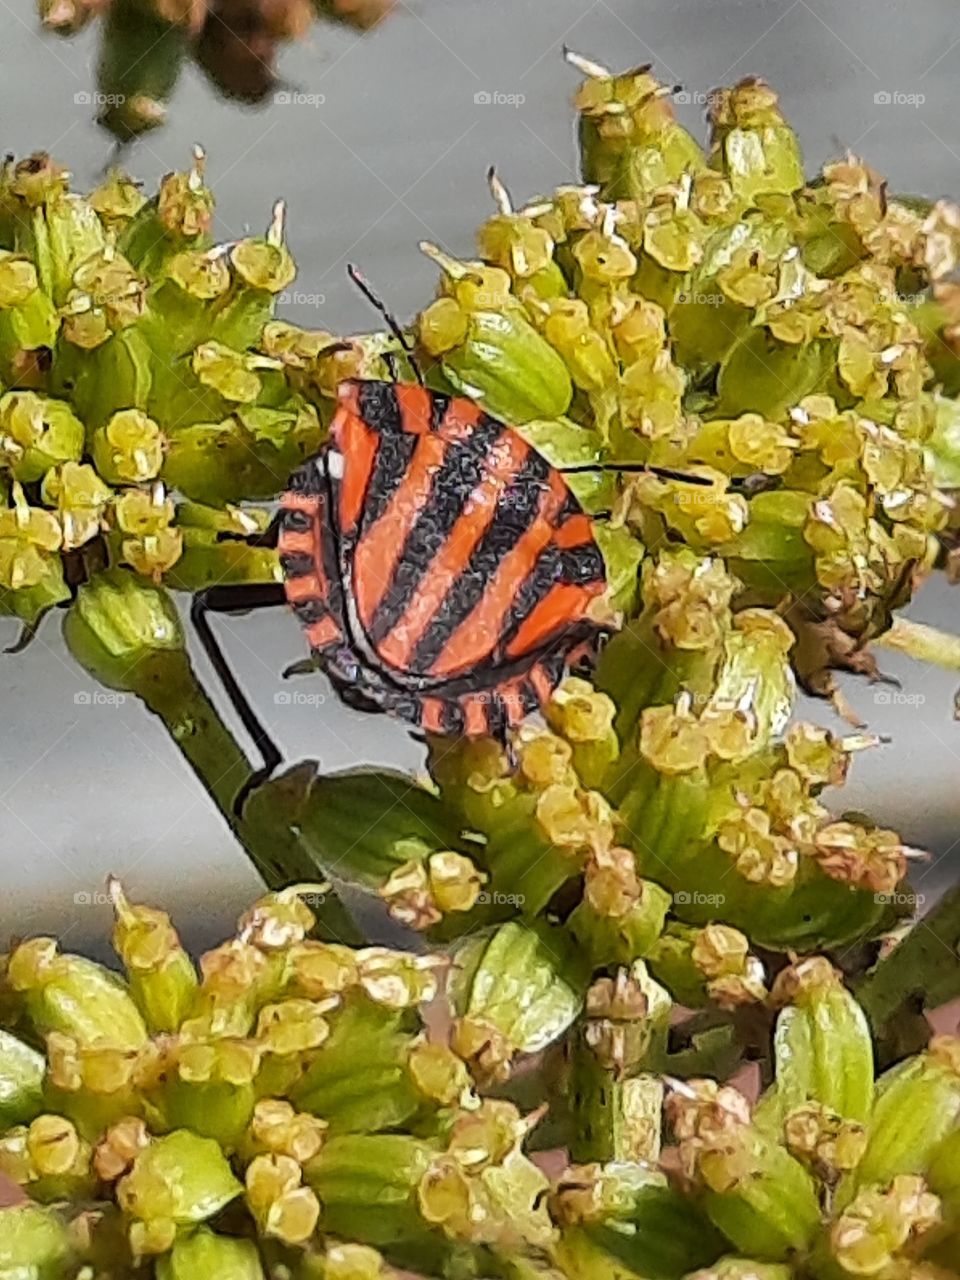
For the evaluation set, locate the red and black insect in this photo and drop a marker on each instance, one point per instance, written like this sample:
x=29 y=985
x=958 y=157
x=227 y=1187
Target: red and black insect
x=442 y=569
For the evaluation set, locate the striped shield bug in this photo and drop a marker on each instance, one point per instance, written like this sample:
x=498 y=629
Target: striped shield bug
x=441 y=568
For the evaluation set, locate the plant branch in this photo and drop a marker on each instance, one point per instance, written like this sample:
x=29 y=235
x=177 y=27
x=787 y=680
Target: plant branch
x=266 y=831
x=924 y=643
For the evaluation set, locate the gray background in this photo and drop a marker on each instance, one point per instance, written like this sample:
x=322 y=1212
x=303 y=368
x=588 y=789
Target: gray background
x=395 y=153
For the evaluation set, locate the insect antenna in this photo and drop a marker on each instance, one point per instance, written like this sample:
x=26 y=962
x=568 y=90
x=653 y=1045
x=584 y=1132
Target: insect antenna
x=635 y=468
x=757 y=482
x=392 y=324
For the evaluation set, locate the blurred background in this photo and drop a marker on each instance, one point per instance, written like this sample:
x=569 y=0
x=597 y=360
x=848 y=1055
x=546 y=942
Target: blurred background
x=378 y=140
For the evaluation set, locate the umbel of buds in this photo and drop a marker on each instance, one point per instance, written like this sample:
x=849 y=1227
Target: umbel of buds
x=632 y=899
x=279 y=1108
x=145 y=390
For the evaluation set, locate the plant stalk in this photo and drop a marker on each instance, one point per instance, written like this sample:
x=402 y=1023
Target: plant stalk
x=266 y=830
x=922 y=642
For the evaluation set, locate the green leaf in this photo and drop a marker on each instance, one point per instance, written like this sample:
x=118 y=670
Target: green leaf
x=524 y=980
x=365 y=823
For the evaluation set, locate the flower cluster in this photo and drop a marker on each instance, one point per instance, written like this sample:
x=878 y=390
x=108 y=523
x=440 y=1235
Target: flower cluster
x=280 y=1110
x=145 y=389
x=631 y=900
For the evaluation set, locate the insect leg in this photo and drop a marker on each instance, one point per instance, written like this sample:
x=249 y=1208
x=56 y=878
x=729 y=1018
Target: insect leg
x=241 y=598
x=27 y=632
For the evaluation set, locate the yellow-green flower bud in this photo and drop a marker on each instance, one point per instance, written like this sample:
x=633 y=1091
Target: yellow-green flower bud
x=94 y=1085
x=352 y=1262
x=672 y=739
x=229 y=372
x=500 y=359
x=882 y=1222
x=48 y=1158
x=153 y=545
x=266 y=263
x=319 y=969
x=81 y=499
x=117 y=199
x=112 y=283
x=281 y=1205
x=279 y=920
x=514 y=996
x=202 y=274
x=673 y=235
x=630 y=141
x=129 y=449
x=439 y=1074
x=117 y=623
x=33 y=1242
x=277 y=1128
x=651 y=394
x=513 y=241
x=823 y=1141
x=21 y=1078
x=395 y=979
x=37 y=433
x=442 y=326
x=74 y=995
x=163 y=981
x=752 y=143
x=544 y=759
x=18 y=279
x=29 y=537
x=203 y=1255
x=294 y=1026
x=575 y=821
x=178 y=1180
x=184 y=205
x=733 y=976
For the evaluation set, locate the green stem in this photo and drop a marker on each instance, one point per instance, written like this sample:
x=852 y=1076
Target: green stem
x=267 y=831
x=926 y=644
x=614 y=1118
x=923 y=971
